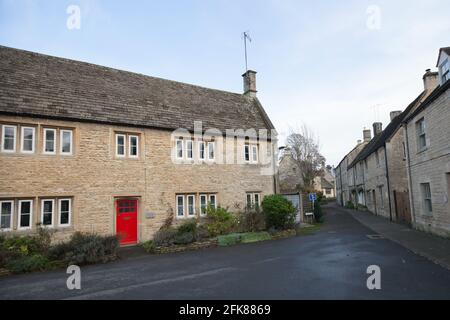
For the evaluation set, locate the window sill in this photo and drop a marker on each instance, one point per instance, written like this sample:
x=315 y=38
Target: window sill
x=422 y=150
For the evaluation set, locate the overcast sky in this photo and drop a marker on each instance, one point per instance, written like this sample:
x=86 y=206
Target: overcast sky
x=336 y=66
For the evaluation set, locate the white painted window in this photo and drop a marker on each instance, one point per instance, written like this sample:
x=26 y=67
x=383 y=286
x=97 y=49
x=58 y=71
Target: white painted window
x=211 y=151
x=247 y=153
x=179 y=149
x=213 y=201
x=201 y=150
x=120 y=145
x=9 y=134
x=49 y=144
x=133 y=145
x=47 y=212
x=6 y=215
x=180 y=206
x=189 y=149
x=421 y=136
x=66 y=142
x=203 y=204
x=254 y=153
x=253 y=200
x=64 y=212
x=27 y=139
x=25 y=214
x=426 y=197
x=191 y=205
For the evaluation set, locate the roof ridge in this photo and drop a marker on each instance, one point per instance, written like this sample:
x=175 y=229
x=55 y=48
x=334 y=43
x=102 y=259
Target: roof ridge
x=48 y=56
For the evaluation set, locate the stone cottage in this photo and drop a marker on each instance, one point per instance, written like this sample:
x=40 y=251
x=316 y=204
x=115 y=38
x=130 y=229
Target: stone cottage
x=427 y=137
x=93 y=149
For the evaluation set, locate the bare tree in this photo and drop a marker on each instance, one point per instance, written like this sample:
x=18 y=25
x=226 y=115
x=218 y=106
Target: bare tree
x=305 y=150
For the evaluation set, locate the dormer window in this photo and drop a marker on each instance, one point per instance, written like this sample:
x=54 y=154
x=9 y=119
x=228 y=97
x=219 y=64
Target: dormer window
x=445 y=71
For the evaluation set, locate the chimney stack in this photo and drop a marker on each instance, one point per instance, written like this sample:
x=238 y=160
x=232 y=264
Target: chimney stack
x=250 y=83
x=377 y=128
x=367 y=135
x=430 y=80
x=395 y=114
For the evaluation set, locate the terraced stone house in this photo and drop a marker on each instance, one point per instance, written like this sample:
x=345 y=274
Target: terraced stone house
x=93 y=149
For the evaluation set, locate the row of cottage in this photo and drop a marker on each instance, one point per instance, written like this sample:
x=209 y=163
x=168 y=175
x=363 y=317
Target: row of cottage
x=93 y=149
x=403 y=172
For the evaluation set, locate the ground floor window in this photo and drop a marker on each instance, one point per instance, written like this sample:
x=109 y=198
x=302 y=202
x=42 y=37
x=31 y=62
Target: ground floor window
x=426 y=197
x=6 y=215
x=253 y=200
x=64 y=212
x=186 y=204
x=25 y=214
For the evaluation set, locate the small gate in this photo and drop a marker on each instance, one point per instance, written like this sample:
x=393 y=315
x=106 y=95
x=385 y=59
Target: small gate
x=296 y=201
x=402 y=207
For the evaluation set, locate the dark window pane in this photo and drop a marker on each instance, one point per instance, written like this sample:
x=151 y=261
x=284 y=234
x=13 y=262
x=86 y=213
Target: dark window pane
x=25 y=207
x=25 y=220
x=47 y=219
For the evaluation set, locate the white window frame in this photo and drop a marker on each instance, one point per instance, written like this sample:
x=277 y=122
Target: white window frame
x=137 y=146
x=215 y=200
x=22 y=137
x=45 y=141
x=426 y=197
x=211 y=143
x=191 y=142
x=53 y=213
x=3 y=138
x=420 y=124
x=184 y=207
x=61 y=140
x=203 y=196
x=124 y=136
x=200 y=144
x=252 y=199
x=11 y=219
x=247 y=151
x=19 y=214
x=59 y=212
x=254 y=147
x=179 y=141
x=190 y=196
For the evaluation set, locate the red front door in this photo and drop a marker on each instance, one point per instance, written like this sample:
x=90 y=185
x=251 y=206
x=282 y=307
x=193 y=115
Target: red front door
x=126 y=221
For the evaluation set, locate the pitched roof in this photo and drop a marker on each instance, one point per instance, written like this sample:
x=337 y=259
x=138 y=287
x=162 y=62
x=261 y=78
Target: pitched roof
x=38 y=85
x=440 y=90
x=379 y=140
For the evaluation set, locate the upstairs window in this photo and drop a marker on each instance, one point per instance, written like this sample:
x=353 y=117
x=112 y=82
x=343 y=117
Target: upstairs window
x=133 y=143
x=179 y=149
x=251 y=153
x=426 y=197
x=66 y=142
x=9 y=134
x=247 y=153
x=445 y=71
x=254 y=154
x=49 y=141
x=211 y=154
x=377 y=158
x=120 y=145
x=189 y=149
x=27 y=141
x=201 y=150
x=420 y=134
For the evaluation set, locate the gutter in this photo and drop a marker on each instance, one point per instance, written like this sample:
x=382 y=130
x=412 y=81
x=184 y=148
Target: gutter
x=387 y=181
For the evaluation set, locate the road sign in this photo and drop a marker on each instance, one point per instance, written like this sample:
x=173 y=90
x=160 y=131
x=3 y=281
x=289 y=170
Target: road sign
x=312 y=196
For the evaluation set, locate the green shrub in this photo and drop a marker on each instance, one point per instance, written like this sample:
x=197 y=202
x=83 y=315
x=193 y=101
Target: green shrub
x=350 y=205
x=318 y=213
x=84 y=248
x=251 y=221
x=279 y=212
x=165 y=237
x=184 y=238
x=188 y=226
x=202 y=233
x=149 y=246
x=220 y=221
x=30 y=263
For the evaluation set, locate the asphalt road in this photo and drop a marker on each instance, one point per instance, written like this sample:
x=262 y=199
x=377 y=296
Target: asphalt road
x=330 y=264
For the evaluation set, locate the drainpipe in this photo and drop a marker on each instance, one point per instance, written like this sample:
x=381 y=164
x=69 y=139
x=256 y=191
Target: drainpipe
x=411 y=195
x=340 y=180
x=387 y=180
